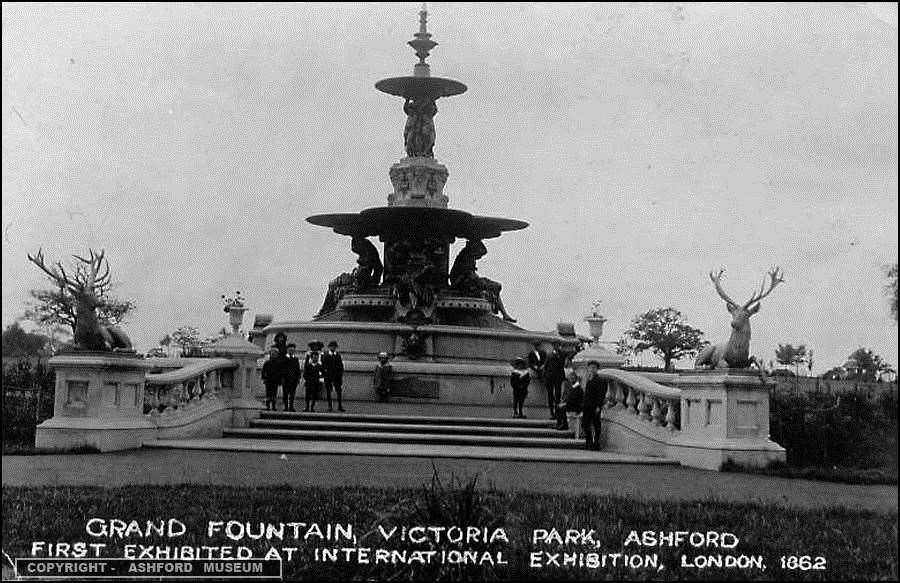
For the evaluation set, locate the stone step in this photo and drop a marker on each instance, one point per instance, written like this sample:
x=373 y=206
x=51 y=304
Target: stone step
x=526 y=454
x=408 y=428
x=404 y=438
x=412 y=419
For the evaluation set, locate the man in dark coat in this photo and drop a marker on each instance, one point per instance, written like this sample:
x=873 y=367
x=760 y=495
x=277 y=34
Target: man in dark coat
x=314 y=378
x=554 y=375
x=334 y=373
x=271 y=377
x=594 y=394
x=290 y=376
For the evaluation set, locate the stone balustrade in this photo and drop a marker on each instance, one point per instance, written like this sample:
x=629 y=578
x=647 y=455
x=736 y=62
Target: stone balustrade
x=652 y=403
x=178 y=391
x=701 y=418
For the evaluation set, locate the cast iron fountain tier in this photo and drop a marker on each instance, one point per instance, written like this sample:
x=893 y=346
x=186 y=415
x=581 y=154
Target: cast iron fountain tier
x=417 y=228
x=446 y=324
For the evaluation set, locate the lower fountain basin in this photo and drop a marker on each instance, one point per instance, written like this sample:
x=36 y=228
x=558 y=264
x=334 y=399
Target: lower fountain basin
x=455 y=364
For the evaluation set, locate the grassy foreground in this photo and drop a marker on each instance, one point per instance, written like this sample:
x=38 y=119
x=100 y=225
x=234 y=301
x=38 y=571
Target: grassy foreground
x=855 y=545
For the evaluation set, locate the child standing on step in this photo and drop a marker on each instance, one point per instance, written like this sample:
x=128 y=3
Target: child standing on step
x=314 y=378
x=383 y=374
x=519 y=380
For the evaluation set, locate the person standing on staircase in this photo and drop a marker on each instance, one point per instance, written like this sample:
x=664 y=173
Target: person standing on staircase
x=554 y=375
x=314 y=378
x=594 y=393
x=519 y=380
x=334 y=374
x=572 y=401
x=290 y=376
x=271 y=377
x=384 y=372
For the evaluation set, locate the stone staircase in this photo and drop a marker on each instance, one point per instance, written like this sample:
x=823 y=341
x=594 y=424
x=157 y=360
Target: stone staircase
x=408 y=430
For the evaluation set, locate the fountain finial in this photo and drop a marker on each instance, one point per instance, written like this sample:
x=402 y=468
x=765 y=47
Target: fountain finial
x=422 y=44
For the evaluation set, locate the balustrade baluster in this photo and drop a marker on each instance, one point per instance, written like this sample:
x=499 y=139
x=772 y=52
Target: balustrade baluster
x=631 y=402
x=609 y=400
x=644 y=406
x=670 y=415
x=656 y=413
x=620 y=396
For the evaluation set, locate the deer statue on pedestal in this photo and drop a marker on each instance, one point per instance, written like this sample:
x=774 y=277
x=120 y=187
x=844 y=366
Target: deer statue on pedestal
x=736 y=352
x=87 y=286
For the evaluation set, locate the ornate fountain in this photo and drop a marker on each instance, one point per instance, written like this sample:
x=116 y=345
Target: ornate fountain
x=447 y=325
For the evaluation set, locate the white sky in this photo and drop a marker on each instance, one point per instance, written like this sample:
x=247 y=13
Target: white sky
x=645 y=144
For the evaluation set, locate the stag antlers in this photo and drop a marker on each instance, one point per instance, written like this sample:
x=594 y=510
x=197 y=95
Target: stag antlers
x=774 y=276
x=87 y=277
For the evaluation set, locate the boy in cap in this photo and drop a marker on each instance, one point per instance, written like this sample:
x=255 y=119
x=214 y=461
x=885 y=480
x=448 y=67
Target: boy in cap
x=519 y=380
x=314 y=378
x=334 y=373
x=383 y=373
x=291 y=376
x=271 y=376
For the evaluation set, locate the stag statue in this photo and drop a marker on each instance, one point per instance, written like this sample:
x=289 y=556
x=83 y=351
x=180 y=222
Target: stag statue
x=87 y=285
x=736 y=352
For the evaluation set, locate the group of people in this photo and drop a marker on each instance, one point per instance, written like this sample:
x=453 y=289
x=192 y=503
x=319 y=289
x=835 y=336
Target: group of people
x=319 y=371
x=565 y=395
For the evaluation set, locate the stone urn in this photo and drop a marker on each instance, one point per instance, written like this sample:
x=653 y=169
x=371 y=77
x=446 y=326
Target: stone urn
x=236 y=317
x=595 y=325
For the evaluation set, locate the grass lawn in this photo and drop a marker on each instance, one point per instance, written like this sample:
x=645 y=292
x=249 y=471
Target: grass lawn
x=854 y=544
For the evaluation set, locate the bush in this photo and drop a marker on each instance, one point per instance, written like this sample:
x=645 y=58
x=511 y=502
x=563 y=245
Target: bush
x=27 y=401
x=844 y=430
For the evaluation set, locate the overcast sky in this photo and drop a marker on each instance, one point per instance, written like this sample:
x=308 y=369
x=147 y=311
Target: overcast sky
x=644 y=144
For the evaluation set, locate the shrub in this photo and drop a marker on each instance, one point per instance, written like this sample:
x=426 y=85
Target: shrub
x=836 y=430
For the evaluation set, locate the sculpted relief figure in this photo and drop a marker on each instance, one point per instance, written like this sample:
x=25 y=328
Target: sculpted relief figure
x=464 y=278
x=365 y=275
x=736 y=352
x=418 y=135
x=414 y=290
x=87 y=286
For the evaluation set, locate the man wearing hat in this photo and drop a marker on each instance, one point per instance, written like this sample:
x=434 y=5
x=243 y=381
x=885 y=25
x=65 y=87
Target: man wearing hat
x=334 y=373
x=594 y=393
x=290 y=376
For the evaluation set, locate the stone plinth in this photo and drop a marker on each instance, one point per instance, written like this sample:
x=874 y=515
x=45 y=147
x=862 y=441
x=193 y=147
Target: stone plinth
x=247 y=382
x=418 y=182
x=99 y=400
x=724 y=417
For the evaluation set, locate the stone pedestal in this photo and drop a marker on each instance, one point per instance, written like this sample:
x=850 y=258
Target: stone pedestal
x=418 y=182
x=247 y=380
x=724 y=417
x=99 y=400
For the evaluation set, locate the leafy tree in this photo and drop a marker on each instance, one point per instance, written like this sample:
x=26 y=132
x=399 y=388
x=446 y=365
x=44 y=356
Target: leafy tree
x=187 y=338
x=790 y=355
x=892 y=289
x=18 y=342
x=663 y=331
x=52 y=308
x=869 y=366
